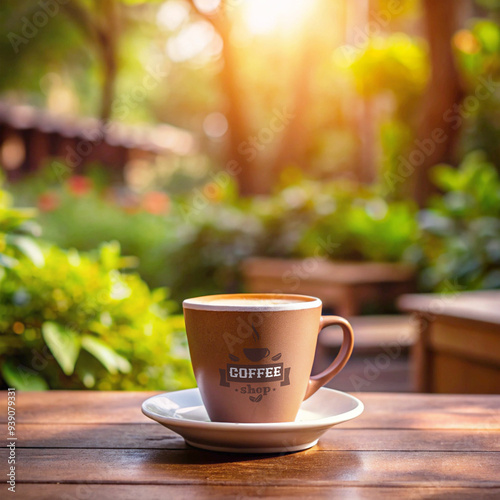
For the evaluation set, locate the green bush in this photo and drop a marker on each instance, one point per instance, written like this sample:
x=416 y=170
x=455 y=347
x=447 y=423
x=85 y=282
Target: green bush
x=461 y=228
x=352 y=222
x=477 y=51
x=84 y=222
x=197 y=246
x=215 y=242
x=193 y=244
x=74 y=320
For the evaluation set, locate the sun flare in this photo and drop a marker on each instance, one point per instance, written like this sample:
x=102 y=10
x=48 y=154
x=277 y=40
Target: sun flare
x=264 y=16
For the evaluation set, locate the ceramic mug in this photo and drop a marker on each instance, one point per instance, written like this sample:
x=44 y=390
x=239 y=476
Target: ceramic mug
x=252 y=354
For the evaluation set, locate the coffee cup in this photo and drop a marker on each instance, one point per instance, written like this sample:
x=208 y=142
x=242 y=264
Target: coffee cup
x=252 y=354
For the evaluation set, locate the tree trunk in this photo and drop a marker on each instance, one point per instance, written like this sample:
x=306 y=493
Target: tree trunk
x=102 y=32
x=443 y=94
x=107 y=39
x=294 y=140
x=109 y=64
x=238 y=127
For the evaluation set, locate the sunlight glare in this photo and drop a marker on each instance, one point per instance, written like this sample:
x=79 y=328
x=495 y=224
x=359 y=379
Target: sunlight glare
x=195 y=39
x=171 y=15
x=263 y=16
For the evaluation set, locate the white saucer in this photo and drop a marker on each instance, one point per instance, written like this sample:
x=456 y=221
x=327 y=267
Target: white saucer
x=184 y=413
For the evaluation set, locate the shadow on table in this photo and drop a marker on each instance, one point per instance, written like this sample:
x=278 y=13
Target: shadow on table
x=199 y=456
x=196 y=456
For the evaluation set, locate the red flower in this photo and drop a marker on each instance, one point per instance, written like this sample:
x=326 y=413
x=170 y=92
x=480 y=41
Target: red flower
x=47 y=202
x=79 y=185
x=156 y=202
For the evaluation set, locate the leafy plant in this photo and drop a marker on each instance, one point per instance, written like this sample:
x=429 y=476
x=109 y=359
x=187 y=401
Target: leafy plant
x=193 y=244
x=477 y=51
x=74 y=320
x=17 y=232
x=215 y=241
x=77 y=321
x=461 y=228
x=347 y=221
x=396 y=64
x=197 y=246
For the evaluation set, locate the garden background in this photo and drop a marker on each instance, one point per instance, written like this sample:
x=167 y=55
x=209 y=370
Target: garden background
x=158 y=145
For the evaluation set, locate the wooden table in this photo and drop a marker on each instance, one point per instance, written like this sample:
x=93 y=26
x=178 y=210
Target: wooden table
x=457 y=349
x=82 y=445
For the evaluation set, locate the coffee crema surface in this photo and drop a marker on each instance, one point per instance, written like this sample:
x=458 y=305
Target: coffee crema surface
x=252 y=301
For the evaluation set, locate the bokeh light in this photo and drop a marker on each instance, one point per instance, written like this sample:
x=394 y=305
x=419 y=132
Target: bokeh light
x=196 y=39
x=215 y=125
x=207 y=6
x=172 y=15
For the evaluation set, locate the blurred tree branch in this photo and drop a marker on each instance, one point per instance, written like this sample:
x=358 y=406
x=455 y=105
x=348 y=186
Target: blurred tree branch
x=102 y=30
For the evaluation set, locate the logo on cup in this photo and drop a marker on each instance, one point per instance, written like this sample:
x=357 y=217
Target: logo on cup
x=255 y=374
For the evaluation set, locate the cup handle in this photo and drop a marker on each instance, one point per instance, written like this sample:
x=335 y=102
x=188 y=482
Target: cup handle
x=319 y=380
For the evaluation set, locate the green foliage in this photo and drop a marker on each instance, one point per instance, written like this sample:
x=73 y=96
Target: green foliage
x=78 y=322
x=64 y=344
x=346 y=221
x=31 y=58
x=216 y=240
x=74 y=320
x=397 y=64
x=16 y=234
x=197 y=247
x=461 y=229
x=211 y=233
x=84 y=222
x=477 y=52
x=493 y=5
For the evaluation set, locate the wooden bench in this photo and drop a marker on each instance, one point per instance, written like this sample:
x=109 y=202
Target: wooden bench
x=373 y=332
x=458 y=341
x=342 y=286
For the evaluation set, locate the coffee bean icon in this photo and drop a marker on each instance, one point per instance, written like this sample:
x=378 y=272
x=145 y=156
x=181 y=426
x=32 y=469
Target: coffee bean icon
x=256 y=353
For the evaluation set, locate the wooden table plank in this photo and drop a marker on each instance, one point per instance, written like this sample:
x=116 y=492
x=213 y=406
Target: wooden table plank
x=428 y=411
x=79 y=407
x=340 y=468
x=123 y=436
x=382 y=410
x=188 y=492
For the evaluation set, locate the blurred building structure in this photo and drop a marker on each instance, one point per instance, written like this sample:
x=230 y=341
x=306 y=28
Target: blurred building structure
x=31 y=137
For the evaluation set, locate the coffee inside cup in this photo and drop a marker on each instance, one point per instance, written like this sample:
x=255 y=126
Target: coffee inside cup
x=250 y=302
x=253 y=302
